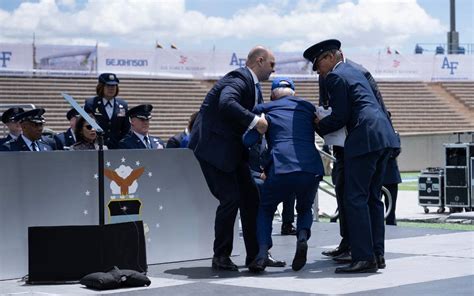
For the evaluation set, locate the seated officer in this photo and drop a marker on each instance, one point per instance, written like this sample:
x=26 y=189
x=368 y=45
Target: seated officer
x=294 y=167
x=31 y=139
x=138 y=138
x=14 y=127
x=181 y=139
x=68 y=138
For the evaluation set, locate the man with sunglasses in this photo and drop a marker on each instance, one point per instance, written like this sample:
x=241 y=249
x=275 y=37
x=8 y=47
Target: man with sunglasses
x=138 y=138
x=31 y=139
x=370 y=141
x=216 y=140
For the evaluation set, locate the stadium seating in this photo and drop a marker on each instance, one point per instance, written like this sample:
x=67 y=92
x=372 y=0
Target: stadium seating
x=415 y=106
x=463 y=91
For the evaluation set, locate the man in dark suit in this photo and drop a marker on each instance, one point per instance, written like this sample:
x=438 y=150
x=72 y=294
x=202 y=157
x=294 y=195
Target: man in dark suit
x=216 y=140
x=390 y=181
x=370 y=140
x=139 y=138
x=181 y=139
x=294 y=167
x=31 y=139
x=68 y=138
x=14 y=127
x=342 y=252
x=110 y=111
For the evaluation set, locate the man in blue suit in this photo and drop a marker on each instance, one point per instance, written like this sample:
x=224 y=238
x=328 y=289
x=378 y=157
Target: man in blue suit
x=31 y=139
x=216 y=139
x=109 y=111
x=294 y=166
x=370 y=140
x=138 y=138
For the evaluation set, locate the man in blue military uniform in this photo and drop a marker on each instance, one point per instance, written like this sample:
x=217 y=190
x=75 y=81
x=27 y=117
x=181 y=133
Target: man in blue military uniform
x=370 y=140
x=138 y=138
x=110 y=111
x=293 y=167
x=68 y=138
x=216 y=140
x=14 y=127
x=31 y=139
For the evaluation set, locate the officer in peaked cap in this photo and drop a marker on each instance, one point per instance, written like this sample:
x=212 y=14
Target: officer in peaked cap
x=31 y=139
x=14 y=128
x=109 y=110
x=369 y=142
x=313 y=53
x=67 y=138
x=139 y=138
x=109 y=79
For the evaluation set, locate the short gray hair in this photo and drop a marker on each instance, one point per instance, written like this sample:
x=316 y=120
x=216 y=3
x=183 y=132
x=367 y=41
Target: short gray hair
x=282 y=92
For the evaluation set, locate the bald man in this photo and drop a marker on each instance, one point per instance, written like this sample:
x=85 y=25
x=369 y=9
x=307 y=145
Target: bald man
x=216 y=140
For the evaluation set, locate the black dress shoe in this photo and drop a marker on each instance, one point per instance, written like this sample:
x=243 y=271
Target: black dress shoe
x=359 y=267
x=272 y=262
x=258 y=265
x=343 y=258
x=334 y=252
x=300 y=256
x=380 y=259
x=223 y=263
x=288 y=229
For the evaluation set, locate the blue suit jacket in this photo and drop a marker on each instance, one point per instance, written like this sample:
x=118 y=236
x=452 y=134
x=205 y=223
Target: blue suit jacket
x=290 y=135
x=355 y=106
x=131 y=141
x=116 y=128
x=224 y=116
x=20 y=145
x=6 y=139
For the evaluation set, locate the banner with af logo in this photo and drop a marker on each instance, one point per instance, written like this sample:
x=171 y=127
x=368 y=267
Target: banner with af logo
x=164 y=188
x=16 y=57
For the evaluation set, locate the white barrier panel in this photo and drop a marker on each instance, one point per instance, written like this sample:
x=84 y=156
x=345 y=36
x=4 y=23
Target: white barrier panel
x=16 y=57
x=212 y=64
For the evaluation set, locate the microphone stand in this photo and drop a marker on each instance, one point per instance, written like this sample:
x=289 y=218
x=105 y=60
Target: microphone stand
x=100 y=138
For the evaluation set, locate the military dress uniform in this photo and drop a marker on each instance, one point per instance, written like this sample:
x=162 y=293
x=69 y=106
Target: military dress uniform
x=67 y=138
x=22 y=143
x=135 y=140
x=117 y=126
x=9 y=116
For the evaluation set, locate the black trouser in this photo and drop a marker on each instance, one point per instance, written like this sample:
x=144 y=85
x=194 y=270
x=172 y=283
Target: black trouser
x=235 y=191
x=338 y=181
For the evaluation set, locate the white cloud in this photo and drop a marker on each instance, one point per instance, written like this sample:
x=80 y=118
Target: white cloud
x=290 y=25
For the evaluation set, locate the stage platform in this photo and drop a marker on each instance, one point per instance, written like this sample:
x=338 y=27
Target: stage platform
x=420 y=261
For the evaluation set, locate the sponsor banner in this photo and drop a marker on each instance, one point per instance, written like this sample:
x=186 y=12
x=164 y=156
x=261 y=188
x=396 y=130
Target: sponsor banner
x=52 y=58
x=125 y=61
x=174 y=62
x=16 y=57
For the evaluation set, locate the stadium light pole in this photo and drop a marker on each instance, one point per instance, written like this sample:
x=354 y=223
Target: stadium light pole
x=453 y=36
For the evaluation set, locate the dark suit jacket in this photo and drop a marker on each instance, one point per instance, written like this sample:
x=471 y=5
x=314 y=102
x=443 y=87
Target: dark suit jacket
x=20 y=145
x=355 y=106
x=116 y=128
x=290 y=135
x=224 y=116
x=66 y=138
x=132 y=141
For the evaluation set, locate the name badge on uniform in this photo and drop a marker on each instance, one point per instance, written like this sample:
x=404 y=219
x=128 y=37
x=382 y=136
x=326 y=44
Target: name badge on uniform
x=121 y=112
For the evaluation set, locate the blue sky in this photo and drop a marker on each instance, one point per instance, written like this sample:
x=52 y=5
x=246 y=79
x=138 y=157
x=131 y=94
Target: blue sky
x=363 y=26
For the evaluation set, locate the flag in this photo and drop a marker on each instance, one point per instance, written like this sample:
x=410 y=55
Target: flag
x=396 y=52
x=173 y=46
x=388 y=50
x=158 y=45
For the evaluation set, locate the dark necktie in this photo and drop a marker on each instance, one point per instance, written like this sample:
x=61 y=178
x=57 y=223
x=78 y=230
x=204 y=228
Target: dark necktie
x=147 y=142
x=259 y=93
x=108 y=104
x=34 y=146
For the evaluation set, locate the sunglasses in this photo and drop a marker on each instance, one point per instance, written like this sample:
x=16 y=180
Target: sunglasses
x=89 y=127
